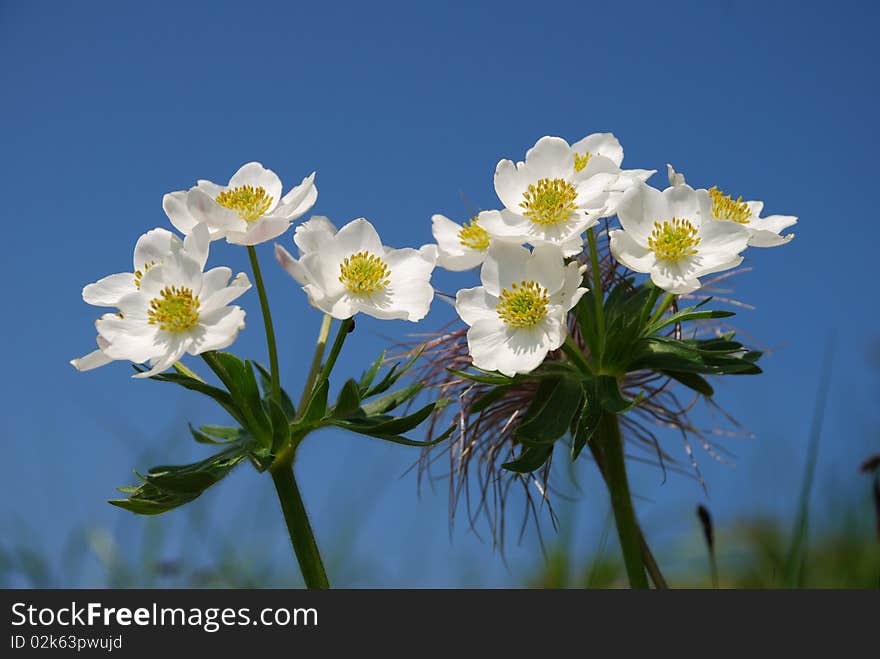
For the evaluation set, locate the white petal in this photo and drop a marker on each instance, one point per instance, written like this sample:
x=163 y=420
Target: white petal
x=676 y=277
x=174 y=205
x=128 y=339
x=220 y=297
x=638 y=209
x=474 y=304
x=445 y=232
x=254 y=174
x=219 y=329
x=509 y=185
x=470 y=258
x=107 y=292
x=197 y=243
x=603 y=144
x=358 y=236
x=173 y=349
x=299 y=200
x=630 y=253
x=204 y=209
x=504 y=224
x=546 y=266
x=675 y=178
x=291 y=265
x=722 y=236
x=551 y=157
x=505 y=264
x=571 y=291
x=260 y=231
x=313 y=234
x=92 y=360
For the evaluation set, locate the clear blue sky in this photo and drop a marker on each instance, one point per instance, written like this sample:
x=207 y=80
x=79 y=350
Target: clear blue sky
x=402 y=109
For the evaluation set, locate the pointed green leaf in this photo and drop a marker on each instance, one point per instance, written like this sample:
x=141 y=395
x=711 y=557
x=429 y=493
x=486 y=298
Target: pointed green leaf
x=370 y=375
x=349 y=400
x=316 y=408
x=531 y=459
x=391 y=401
x=266 y=384
x=610 y=396
x=692 y=381
x=550 y=413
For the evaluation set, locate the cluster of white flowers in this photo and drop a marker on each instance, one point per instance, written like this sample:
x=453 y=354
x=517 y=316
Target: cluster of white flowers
x=169 y=306
x=549 y=201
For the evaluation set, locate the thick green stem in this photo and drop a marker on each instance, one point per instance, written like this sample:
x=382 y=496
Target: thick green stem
x=267 y=321
x=301 y=535
x=598 y=294
x=323 y=335
x=621 y=501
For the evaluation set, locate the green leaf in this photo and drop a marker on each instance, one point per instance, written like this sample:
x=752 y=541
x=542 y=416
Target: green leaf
x=550 y=413
x=203 y=438
x=610 y=396
x=482 y=402
x=394 y=374
x=531 y=458
x=317 y=405
x=691 y=356
x=370 y=375
x=686 y=315
x=167 y=487
x=391 y=401
x=482 y=377
x=266 y=384
x=366 y=429
x=692 y=381
x=586 y=424
x=280 y=424
x=226 y=433
x=403 y=424
x=349 y=400
x=239 y=378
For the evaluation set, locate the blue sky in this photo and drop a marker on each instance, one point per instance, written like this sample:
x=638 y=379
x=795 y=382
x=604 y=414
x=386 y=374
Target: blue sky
x=404 y=109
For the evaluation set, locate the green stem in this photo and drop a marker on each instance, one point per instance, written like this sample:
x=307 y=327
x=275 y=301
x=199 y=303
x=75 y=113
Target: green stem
x=301 y=535
x=665 y=303
x=323 y=335
x=267 y=321
x=621 y=501
x=598 y=294
x=344 y=328
x=573 y=351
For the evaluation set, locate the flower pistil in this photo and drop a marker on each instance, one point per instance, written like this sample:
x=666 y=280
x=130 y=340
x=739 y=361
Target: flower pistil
x=523 y=305
x=175 y=310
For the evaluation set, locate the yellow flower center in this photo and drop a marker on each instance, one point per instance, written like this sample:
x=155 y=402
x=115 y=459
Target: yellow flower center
x=175 y=310
x=139 y=274
x=474 y=236
x=364 y=273
x=523 y=305
x=249 y=202
x=724 y=207
x=673 y=240
x=549 y=202
x=581 y=160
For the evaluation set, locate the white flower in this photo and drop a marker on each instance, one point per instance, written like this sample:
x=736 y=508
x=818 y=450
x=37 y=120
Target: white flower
x=151 y=249
x=177 y=309
x=350 y=271
x=672 y=236
x=763 y=231
x=560 y=191
x=601 y=153
x=248 y=211
x=460 y=246
x=519 y=313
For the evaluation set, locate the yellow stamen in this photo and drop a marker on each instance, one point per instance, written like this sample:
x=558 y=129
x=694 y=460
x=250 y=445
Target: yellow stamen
x=673 y=240
x=175 y=310
x=474 y=236
x=581 y=160
x=524 y=305
x=249 y=202
x=724 y=207
x=549 y=202
x=364 y=273
x=139 y=274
